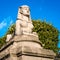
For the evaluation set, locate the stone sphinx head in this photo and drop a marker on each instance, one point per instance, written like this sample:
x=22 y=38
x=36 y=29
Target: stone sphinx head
x=24 y=13
x=25 y=10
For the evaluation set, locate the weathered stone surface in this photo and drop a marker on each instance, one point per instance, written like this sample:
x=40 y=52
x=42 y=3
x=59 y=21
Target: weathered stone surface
x=28 y=49
x=4 y=51
x=34 y=58
x=9 y=36
x=26 y=37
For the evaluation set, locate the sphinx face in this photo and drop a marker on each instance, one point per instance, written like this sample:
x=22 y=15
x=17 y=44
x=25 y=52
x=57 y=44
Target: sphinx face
x=25 y=11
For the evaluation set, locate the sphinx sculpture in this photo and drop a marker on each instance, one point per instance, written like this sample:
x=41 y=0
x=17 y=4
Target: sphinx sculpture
x=23 y=23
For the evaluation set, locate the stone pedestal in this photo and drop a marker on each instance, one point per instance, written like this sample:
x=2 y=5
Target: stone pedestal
x=28 y=47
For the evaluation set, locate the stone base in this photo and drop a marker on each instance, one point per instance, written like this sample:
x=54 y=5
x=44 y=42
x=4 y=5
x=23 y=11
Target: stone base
x=31 y=53
x=25 y=47
x=28 y=47
x=29 y=37
x=33 y=58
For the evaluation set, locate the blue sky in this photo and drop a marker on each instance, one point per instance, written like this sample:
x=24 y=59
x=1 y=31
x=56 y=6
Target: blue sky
x=40 y=9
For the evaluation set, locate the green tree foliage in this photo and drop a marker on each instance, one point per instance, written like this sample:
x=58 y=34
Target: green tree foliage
x=2 y=41
x=11 y=30
x=48 y=34
x=58 y=56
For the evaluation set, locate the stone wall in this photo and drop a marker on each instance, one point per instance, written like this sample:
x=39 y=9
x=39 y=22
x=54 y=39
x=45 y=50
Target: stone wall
x=4 y=51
